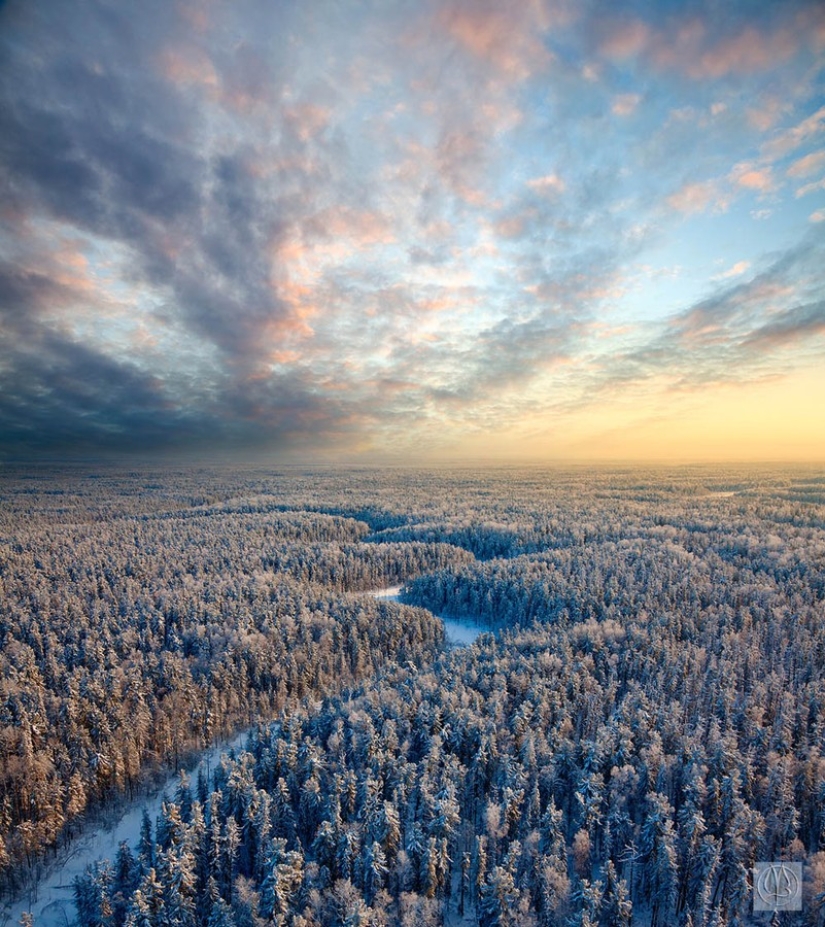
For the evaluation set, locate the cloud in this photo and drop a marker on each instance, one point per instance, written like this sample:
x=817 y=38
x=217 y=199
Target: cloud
x=55 y=390
x=697 y=197
x=625 y=104
x=750 y=51
x=736 y=270
x=189 y=67
x=769 y=112
x=275 y=222
x=549 y=184
x=753 y=178
x=792 y=325
x=461 y=157
x=810 y=188
x=788 y=140
x=503 y=36
x=626 y=39
x=705 y=46
x=717 y=194
x=112 y=150
x=359 y=228
x=808 y=164
x=741 y=331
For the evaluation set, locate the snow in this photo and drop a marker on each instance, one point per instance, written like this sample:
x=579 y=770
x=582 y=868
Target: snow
x=460 y=632
x=51 y=900
x=388 y=592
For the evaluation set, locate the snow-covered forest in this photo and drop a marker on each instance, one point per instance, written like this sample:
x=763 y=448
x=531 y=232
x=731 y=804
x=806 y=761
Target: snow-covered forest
x=645 y=721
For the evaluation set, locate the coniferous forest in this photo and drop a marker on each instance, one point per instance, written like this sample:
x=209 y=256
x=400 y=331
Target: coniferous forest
x=641 y=720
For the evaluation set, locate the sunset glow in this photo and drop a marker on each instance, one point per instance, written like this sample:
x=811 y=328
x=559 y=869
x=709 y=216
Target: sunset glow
x=413 y=231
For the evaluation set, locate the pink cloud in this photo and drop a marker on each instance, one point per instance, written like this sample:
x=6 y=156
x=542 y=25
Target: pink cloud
x=188 y=66
x=247 y=82
x=791 y=139
x=307 y=120
x=809 y=164
x=679 y=47
x=284 y=357
x=458 y=160
x=511 y=226
x=737 y=270
x=241 y=85
x=627 y=40
x=195 y=16
x=769 y=112
x=691 y=48
x=591 y=73
x=291 y=326
x=504 y=38
x=753 y=178
x=606 y=331
x=698 y=197
x=345 y=226
x=814 y=187
x=439 y=304
x=747 y=53
x=460 y=156
x=625 y=104
x=302 y=261
x=550 y=183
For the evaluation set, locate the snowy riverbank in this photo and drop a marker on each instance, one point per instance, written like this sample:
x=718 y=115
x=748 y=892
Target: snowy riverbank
x=51 y=900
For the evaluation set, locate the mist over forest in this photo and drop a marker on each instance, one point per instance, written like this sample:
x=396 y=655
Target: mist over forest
x=640 y=720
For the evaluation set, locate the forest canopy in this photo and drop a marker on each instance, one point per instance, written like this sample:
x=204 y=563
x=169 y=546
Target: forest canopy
x=645 y=722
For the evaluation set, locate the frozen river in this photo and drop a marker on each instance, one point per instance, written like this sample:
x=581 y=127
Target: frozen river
x=459 y=631
x=52 y=902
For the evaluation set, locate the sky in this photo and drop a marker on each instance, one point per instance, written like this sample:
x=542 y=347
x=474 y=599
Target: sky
x=413 y=231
